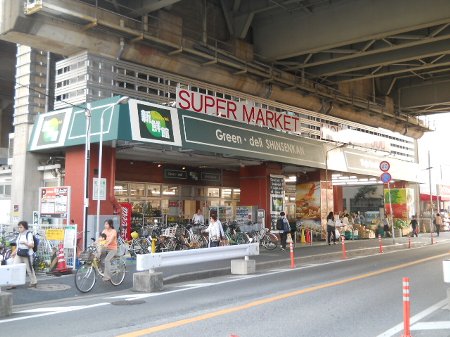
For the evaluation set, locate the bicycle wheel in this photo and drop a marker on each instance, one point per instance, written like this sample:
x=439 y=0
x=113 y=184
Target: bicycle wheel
x=85 y=278
x=270 y=242
x=118 y=269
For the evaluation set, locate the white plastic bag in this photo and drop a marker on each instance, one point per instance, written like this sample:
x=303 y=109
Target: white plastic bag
x=338 y=235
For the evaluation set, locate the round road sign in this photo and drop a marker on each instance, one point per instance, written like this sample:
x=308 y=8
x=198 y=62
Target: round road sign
x=385 y=177
x=385 y=166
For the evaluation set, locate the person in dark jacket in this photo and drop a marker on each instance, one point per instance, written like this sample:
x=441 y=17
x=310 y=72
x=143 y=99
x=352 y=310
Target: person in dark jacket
x=415 y=226
x=284 y=232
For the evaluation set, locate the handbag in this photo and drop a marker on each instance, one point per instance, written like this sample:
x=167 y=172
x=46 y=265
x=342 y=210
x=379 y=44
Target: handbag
x=22 y=252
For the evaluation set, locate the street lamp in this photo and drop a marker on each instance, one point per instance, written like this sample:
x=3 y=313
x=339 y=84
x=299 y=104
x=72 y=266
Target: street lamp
x=87 y=157
x=122 y=100
x=326 y=173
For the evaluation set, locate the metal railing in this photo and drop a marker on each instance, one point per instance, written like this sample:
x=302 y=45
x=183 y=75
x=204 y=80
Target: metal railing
x=183 y=257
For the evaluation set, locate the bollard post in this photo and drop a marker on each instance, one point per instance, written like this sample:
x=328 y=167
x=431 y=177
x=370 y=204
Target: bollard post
x=344 y=251
x=409 y=242
x=291 y=249
x=154 y=245
x=381 y=244
x=406 y=308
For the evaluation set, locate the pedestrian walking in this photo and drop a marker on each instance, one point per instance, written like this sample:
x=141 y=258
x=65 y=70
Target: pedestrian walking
x=215 y=231
x=415 y=226
x=284 y=228
x=24 y=252
x=331 y=228
x=438 y=223
x=386 y=228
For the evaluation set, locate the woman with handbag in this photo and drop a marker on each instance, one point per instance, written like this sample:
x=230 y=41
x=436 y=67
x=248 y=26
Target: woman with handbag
x=24 y=252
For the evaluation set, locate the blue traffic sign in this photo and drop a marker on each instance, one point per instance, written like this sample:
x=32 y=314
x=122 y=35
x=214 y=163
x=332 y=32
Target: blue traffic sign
x=385 y=177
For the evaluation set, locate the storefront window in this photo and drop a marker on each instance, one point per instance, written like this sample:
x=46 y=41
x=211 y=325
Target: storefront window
x=153 y=190
x=137 y=190
x=226 y=193
x=236 y=194
x=169 y=190
x=213 y=192
x=121 y=189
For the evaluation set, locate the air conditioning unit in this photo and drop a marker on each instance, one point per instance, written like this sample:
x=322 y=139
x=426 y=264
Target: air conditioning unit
x=32 y=6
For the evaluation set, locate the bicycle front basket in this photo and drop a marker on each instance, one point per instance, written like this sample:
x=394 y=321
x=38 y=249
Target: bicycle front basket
x=86 y=256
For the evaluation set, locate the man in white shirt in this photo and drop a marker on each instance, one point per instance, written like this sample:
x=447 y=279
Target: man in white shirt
x=198 y=218
x=215 y=231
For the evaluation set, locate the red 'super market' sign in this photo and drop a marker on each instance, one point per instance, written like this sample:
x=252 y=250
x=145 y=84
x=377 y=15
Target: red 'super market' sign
x=237 y=111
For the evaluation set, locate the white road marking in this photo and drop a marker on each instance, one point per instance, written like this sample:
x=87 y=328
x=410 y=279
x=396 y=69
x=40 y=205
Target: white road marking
x=399 y=327
x=443 y=325
x=50 y=311
x=195 y=285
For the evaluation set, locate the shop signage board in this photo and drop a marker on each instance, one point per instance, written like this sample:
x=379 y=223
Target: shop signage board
x=153 y=123
x=50 y=130
x=207 y=133
x=54 y=202
x=210 y=176
x=276 y=186
x=175 y=174
x=341 y=134
x=70 y=236
x=99 y=186
x=125 y=220
x=364 y=163
x=238 y=111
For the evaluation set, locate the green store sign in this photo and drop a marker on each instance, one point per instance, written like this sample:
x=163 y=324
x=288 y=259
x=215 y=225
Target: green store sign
x=206 y=133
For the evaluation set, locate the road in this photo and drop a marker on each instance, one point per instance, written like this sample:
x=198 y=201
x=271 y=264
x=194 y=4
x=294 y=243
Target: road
x=355 y=297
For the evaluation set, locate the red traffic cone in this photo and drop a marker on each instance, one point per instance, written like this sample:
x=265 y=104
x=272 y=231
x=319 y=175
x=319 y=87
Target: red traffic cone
x=61 y=267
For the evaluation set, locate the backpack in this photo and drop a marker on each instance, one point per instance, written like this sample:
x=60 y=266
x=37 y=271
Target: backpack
x=280 y=224
x=35 y=241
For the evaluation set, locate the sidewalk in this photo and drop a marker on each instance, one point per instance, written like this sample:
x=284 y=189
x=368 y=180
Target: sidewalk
x=55 y=288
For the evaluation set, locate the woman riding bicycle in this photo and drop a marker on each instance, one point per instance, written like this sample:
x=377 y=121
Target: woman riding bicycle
x=110 y=248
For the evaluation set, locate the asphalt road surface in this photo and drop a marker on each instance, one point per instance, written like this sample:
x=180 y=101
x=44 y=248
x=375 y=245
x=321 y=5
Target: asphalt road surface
x=355 y=297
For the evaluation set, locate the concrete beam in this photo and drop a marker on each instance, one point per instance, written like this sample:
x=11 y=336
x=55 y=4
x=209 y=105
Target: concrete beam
x=343 y=23
x=429 y=49
x=424 y=94
x=67 y=38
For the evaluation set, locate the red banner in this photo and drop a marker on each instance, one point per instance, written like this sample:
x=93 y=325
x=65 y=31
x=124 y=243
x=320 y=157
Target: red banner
x=125 y=221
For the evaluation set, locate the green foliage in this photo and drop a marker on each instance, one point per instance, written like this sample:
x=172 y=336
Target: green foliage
x=399 y=224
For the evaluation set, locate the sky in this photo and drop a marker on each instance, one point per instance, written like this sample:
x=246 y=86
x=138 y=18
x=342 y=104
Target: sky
x=437 y=143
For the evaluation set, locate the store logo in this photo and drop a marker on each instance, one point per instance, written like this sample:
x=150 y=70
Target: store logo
x=51 y=129
x=155 y=124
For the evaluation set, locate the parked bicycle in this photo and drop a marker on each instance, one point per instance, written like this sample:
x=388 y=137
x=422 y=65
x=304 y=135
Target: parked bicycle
x=91 y=268
x=265 y=238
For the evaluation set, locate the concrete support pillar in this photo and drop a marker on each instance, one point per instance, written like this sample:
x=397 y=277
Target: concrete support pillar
x=6 y=303
x=148 y=281
x=29 y=100
x=243 y=267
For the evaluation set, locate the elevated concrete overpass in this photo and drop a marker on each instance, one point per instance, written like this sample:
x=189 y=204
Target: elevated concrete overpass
x=378 y=63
